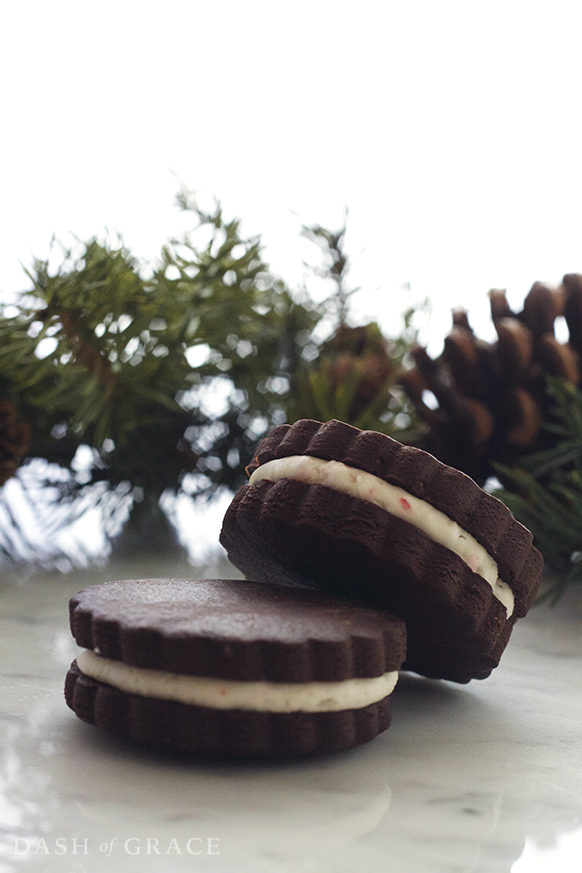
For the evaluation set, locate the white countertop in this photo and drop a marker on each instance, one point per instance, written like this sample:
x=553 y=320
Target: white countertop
x=485 y=777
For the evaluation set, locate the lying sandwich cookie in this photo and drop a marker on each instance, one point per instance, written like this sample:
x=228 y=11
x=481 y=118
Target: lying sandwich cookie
x=358 y=514
x=227 y=667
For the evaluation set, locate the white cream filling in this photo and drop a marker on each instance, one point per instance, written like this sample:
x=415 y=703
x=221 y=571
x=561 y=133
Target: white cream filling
x=356 y=483
x=230 y=694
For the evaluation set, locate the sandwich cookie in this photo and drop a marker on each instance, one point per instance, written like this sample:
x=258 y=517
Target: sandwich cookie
x=361 y=515
x=232 y=668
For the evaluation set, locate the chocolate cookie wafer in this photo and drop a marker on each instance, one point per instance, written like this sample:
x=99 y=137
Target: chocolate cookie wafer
x=232 y=668
x=359 y=514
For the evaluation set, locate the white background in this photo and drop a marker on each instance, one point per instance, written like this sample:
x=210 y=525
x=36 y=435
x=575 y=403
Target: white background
x=450 y=130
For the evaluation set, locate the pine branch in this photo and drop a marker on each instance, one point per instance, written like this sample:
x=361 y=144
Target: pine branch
x=98 y=355
x=546 y=494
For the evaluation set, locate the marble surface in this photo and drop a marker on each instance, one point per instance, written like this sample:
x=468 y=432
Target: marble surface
x=485 y=777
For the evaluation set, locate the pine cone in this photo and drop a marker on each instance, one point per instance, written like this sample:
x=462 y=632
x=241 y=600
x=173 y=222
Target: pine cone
x=15 y=434
x=492 y=397
x=355 y=363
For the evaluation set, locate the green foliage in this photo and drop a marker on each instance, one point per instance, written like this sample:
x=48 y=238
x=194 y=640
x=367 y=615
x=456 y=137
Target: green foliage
x=171 y=376
x=97 y=354
x=546 y=489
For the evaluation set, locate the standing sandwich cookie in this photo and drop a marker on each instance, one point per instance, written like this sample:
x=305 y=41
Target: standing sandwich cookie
x=227 y=667
x=358 y=514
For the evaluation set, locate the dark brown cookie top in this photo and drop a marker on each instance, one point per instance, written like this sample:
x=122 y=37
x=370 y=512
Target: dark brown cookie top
x=236 y=629
x=447 y=489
